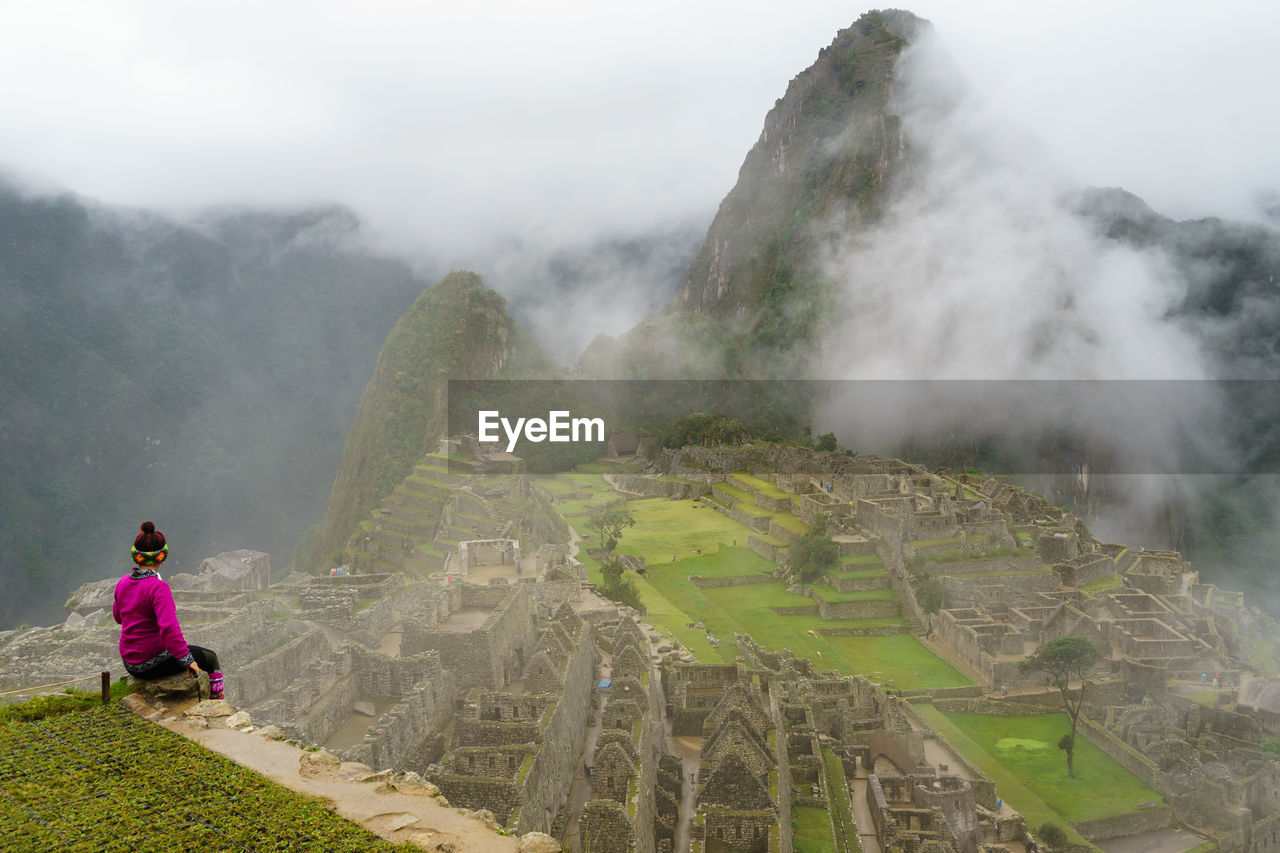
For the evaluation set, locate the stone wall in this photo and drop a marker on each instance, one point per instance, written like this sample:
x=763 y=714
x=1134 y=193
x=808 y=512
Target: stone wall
x=734 y=580
x=408 y=736
x=659 y=488
x=1125 y=755
x=872 y=609
x=547 y=784
x=844 y=583
x=489 y=656
x=249 y=684
x=606 y=828
x=1125 y=825
x=765 y=549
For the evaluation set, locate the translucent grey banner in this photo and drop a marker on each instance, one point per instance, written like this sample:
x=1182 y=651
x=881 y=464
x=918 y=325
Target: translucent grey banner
x=1012 y=427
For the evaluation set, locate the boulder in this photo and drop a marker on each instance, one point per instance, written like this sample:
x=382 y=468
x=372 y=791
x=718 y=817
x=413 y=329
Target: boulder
x=271 y=732
x=486 y=817
x=211 y=708
x=238 y=720
x=88 y=597
x=180 y=686
x=409 y=782
x=538 y=842
x=320 y=764
x=137 y=704
x=186 y=581
x=365 y=708
x=237 y=570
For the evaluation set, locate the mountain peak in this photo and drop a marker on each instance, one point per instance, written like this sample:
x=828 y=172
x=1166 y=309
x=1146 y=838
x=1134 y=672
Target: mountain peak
x=828 y=148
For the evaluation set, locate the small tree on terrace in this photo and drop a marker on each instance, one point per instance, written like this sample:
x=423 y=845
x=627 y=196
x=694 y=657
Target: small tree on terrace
x=608 y=523
x=1064 y=660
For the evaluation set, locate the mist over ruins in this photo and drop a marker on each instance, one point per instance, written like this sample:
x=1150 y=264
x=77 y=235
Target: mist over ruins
x=706 y=630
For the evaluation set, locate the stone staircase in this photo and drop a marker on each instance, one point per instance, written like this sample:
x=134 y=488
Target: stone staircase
x=892 y=560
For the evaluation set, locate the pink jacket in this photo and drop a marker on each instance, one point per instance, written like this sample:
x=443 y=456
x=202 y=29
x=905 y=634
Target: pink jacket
x=148 y=620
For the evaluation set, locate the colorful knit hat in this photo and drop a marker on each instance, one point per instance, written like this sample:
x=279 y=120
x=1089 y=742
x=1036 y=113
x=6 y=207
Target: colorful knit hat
x=149 y=547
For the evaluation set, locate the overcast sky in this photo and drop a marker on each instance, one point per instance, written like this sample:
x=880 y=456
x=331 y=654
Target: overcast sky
x=448 y=125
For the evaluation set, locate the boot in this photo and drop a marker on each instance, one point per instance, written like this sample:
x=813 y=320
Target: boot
x=215 y=685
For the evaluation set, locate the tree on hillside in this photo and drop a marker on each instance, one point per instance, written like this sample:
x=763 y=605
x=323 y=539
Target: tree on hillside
x=1064 y=660
x=608 y=523
x=813 y=554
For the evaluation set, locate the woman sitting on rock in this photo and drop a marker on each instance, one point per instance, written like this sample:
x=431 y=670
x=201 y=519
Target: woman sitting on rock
x=151 y=641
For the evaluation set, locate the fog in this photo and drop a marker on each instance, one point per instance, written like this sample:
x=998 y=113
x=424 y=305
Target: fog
x=573 y=156
x=449 y=128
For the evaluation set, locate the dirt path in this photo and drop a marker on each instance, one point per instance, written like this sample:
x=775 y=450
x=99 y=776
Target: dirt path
x=397 y=817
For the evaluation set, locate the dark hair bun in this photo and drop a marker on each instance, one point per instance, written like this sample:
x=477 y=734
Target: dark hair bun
x=148 y=538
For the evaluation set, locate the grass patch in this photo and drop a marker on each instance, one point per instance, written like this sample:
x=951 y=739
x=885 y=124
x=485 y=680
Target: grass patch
x=71 y=699
x=764 y=487
x=838 y=795
x=1025 y=749
x=107 y=778
x=811 y=830
x=681 y=528
x=1103 y=584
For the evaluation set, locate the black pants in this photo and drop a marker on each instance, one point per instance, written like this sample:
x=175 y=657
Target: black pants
x=206 y=659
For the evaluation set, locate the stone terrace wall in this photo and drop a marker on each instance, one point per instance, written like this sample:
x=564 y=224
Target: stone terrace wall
x=1125 y=755
x=273 y=672
x=1125 y=825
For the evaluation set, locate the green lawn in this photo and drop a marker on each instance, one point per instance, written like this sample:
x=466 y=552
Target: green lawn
x=764 y=487
x=1022 y=753
x=680 y=528
x=105 y=778
x=811 y=830
x=838 y=795
x=665 y=528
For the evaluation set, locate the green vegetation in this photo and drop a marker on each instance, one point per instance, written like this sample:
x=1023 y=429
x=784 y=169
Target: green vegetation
x=107 y=778
x=1054 y=837
x=680 y=539
x=1064 y=660
x=72 y=699
x=1019 y=753
x=813 y=554
x=847 y=838
x=929 y=591
x=608 y=523
x=811 y=830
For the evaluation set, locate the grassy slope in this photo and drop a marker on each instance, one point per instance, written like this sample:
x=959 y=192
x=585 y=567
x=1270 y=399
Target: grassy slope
x=104 y=778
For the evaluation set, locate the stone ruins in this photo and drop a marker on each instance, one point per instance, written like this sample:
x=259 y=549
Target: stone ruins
x=465 y=644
